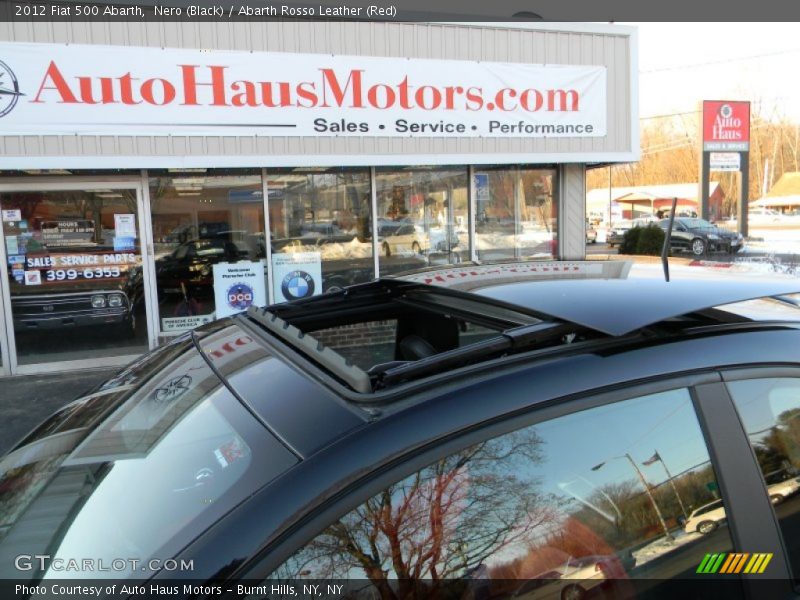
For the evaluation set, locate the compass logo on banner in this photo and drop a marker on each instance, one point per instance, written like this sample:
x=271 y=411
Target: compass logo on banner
x=9 y=89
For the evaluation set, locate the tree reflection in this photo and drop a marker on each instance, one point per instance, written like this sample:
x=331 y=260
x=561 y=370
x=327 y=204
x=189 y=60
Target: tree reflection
x=441 y=523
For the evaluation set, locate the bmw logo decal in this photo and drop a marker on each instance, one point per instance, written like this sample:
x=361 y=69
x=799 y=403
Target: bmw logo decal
x=9 y=89
x=240 y=296
x=297 y=284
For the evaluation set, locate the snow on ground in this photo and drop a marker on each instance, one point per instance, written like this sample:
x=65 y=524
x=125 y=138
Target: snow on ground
x=662 y=546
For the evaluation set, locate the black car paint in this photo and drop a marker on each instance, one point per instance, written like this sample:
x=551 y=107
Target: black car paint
x=351 y=452
x=683 y=234
x=291 y=398
x=431 y=428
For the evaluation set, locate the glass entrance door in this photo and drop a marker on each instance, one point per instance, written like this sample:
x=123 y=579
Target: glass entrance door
x=75 y=274
x=4 y=362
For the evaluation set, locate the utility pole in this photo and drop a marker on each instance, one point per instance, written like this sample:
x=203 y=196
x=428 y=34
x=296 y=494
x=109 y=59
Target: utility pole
x=674 y=489
x=667 y=534
x=657 y=456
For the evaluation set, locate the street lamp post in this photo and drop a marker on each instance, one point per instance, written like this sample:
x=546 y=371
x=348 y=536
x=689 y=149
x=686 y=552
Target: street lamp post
x=667 y=534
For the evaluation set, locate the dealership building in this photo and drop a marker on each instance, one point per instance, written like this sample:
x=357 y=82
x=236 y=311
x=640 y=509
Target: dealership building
x=155 y=176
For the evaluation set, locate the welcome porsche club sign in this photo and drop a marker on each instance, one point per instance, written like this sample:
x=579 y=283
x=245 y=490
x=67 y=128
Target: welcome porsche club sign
x=116 y=90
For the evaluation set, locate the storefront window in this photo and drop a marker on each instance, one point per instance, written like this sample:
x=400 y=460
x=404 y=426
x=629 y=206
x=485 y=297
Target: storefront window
x=320 y=227
x=515 y=213
x=208 y=234
x=75 y=274
x=422 y=217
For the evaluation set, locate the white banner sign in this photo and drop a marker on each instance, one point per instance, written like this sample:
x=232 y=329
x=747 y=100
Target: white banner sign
x=296 y=275
x=124 y=90
x=725 y=161
x=238 y=286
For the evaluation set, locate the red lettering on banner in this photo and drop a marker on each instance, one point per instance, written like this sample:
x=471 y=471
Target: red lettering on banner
x=167 y=92
x=59 y=84
x=85 y=85
x=525 y=100
x=126 y=89
x=403 y=89
x=246 y=97
x=206 y=85
x=433 y=100
x=329 y=81
x=190 y=85
x=388 y=96
x=557 y=100
x=474 y=98
x=306 y=91
x=500 y=100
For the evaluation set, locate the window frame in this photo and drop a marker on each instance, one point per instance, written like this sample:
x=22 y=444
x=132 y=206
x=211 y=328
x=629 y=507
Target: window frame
x=704 y=392
x=764 y=372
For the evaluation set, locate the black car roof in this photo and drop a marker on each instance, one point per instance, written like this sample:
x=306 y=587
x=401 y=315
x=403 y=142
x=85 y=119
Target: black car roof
x=546 y=316
x=620 y=306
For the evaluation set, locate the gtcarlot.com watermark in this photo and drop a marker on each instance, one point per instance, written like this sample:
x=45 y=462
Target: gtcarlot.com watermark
x=45 y=562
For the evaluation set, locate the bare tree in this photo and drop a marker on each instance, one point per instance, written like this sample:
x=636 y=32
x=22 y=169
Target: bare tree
x=438 y=524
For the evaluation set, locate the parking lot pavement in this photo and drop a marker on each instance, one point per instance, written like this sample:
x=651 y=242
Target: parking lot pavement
x=25 y=401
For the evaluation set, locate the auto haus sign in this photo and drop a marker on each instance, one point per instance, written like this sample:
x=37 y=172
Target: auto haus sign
x=726 y=126
x=74 y=89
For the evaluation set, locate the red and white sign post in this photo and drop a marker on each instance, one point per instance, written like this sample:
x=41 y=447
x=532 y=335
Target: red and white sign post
x=726 y=128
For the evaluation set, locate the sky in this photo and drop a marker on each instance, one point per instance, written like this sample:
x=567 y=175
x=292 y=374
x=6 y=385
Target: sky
x=683 y=63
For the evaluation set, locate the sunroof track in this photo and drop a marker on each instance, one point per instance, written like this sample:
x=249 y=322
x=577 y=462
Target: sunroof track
x=355 y=377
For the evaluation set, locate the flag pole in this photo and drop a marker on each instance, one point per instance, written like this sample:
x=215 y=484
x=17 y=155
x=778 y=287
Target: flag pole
x=672 y=483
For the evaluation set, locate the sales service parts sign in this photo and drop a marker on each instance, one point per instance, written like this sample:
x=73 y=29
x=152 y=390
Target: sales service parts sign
x=115 y=90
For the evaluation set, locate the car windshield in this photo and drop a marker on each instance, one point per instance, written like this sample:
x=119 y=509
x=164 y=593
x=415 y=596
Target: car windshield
x=133 y=479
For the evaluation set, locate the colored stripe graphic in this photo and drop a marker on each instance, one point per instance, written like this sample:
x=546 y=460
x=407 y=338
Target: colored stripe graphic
x=711 y=563
x=734 y=563
x=738 y=564
x=727 y=564
x=758 y=563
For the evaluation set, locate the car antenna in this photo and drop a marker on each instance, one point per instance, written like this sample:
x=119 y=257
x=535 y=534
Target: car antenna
x=667 y=237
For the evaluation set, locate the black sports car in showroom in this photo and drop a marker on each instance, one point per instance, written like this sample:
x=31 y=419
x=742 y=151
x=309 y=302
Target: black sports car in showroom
x=699 y=237
x=496 y=438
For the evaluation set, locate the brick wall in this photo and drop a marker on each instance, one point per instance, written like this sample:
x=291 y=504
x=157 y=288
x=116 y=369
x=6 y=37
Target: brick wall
x=358 y=334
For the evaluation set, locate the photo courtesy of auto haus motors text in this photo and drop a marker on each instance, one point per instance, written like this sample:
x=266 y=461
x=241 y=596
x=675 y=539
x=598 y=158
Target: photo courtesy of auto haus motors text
x=92 y=90
x=153 y=590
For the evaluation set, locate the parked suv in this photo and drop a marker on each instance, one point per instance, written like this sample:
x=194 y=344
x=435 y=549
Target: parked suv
x=409 y=437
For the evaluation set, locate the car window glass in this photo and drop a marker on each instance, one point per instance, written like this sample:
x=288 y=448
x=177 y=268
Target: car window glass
x=158 y=470
x=595 y=499
x=770 y=411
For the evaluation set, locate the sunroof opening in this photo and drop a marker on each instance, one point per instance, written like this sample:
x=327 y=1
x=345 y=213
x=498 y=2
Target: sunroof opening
x=377 y=336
